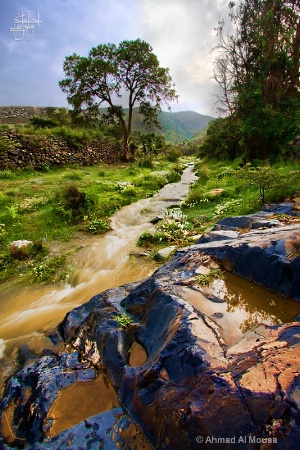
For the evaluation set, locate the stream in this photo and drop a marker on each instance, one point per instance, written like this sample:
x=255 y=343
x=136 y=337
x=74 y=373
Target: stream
x=101 y=263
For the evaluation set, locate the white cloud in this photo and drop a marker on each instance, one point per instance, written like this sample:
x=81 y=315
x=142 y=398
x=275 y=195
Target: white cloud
x=181 y=33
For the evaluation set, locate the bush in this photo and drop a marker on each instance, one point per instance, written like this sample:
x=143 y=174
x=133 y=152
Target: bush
x=173 y=177
x=7 y=174
x=43 y=122
x=50 y=270
x=154 y=182
x=97 y=226
x=147 y=238
x=172 y=154
x=71 y=204
x=42 y=167
x=130 y=191
x=146 y=162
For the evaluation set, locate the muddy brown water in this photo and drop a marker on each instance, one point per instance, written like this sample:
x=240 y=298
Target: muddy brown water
x=102 y=263
x=75 y=403
x=242 y=305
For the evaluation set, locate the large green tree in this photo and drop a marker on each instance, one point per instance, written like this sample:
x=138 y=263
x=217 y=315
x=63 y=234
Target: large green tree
x=257 y=72
x=109 y=72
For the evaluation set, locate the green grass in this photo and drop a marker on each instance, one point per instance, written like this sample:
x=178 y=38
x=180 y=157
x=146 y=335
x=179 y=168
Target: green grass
x=40 y=206
x=219 y=193
x=44 y=207
x=204 y=208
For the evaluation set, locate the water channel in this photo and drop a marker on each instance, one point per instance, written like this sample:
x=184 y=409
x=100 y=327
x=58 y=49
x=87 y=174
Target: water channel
x=101 y=263
x=104 y=262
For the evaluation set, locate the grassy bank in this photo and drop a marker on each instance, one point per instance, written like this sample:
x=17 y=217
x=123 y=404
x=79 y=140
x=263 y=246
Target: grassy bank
x=48 y=207
x=43 y=207
x=223 y=189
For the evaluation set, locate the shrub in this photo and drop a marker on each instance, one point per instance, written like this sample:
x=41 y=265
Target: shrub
x=123 y=320
x=71 y=204
x=43 y=122
x=264 y=177
x=153 y=182
x=50 y=270
x=173 y=177
x=42 y=167
x=7 y=174
x=97 y=226
x=172 y=154
x=146 y=162
x=130 y=191
x=147 y=238
x=72 y=176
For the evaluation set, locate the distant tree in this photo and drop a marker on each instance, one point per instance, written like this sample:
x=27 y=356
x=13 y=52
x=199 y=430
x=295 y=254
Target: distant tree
x=222 y=139
x=43 y=122
x=101 y=78
x=257 y=72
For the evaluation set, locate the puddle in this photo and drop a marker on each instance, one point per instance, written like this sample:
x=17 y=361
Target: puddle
x=239 y=305
x=80 y=401
x=137 y=355
x=9 y=430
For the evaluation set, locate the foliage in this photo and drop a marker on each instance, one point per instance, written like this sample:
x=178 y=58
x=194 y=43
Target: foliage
x=222 y=139
x=123 y=320
x=265 y=177
x=97 y=226
x=74 y=137
x=71 y=203
x=7 y=174
x=32 y=208
x=5 y=144
x=173 y=154
x=174 y=176
x=257 y=73
x=43 y=122
x=207 y=279
x=171 y=230
x=50 y=269
x=107 y=71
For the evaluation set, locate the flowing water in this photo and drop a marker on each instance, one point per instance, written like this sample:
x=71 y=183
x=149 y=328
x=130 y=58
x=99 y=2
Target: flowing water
x=102 y=262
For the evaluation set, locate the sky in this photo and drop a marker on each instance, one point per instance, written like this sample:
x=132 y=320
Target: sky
x=181 y=33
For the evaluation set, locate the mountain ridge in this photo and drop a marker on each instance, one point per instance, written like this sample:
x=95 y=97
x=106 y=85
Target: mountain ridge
x=175 y=126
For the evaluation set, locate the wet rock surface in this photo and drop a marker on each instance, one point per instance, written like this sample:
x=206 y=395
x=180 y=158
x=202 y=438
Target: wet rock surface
x=193 y=389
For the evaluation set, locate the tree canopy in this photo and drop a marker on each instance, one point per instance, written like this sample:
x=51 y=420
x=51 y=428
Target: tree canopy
x=110 y=71
x=257 y=73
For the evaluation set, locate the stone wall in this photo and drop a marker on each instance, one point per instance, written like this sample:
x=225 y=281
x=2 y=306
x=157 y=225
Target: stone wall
x=20 y=114
x=17 y=150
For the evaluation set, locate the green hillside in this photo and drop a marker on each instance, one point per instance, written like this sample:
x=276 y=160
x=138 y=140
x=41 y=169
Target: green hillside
x=176 y=127
x=182 y=125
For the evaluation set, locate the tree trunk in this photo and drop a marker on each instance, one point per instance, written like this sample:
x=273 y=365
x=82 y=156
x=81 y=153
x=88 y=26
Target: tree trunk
x=126 y=153
x=126 y=135
x=296 y=58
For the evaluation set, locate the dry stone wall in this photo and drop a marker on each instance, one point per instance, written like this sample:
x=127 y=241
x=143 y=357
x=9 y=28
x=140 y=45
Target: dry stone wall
x=18 y=150
x=20 y=114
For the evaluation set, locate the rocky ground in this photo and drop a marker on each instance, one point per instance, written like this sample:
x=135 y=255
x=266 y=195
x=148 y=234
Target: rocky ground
x=189 y=388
